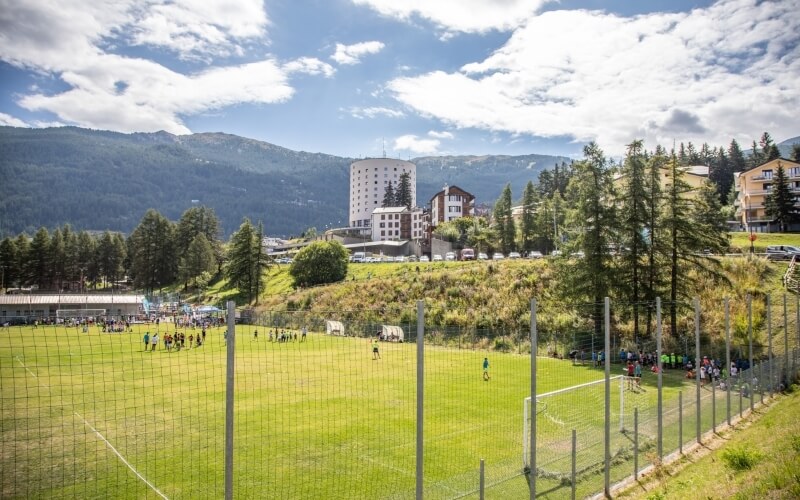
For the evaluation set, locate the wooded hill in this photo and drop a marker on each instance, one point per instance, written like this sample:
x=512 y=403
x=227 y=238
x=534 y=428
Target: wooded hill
x=98 y=180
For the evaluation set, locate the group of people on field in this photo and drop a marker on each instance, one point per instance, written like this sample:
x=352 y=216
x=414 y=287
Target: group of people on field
x=175 y=340
x=283 y=335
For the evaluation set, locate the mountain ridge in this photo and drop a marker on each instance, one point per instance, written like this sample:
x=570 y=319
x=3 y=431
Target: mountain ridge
x=98 y=180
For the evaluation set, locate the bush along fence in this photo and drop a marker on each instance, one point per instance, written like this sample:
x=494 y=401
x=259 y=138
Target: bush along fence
x=346 y=404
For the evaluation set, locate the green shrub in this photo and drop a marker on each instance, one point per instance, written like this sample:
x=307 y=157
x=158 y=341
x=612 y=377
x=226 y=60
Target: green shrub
x=740 y=459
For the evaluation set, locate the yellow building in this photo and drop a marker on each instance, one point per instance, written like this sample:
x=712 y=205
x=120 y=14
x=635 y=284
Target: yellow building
x=752 y=188
x=695 y=176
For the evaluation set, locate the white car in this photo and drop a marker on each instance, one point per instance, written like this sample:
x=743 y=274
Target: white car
x=450 y=256
x=482 y=256
x=535 y=254
x=498 y=256
x=437 y=258
x=424 y=258
x=514 y=255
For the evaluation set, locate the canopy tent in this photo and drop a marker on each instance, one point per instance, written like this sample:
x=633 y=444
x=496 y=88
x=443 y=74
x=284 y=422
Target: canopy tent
x=334 y=327
x=208 y=309
x=392 y=333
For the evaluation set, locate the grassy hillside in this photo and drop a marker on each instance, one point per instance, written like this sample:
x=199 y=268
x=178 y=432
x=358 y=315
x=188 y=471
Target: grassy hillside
x=760 y=460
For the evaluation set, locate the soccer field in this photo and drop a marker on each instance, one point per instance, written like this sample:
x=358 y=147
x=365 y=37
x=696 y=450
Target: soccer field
x=93 y=415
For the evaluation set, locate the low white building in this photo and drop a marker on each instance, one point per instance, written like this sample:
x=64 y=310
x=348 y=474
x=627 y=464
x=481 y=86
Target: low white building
x=46 y=305
x=397 y=223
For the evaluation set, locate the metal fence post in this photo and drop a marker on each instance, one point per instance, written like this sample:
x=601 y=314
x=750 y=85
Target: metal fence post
x=697 y=357
x=636 y=443
x=771 y=384
x=660 y=437
x=741 y=412
x=752 y=367
x=785 y=344
x=713 y=407
x=607 y=417
x=229 y=388
x=420 y=395
x=534 y=352
x=680 y=422
x=761 y=381
x=728 y=359
x=574 y=460
x=482 y=482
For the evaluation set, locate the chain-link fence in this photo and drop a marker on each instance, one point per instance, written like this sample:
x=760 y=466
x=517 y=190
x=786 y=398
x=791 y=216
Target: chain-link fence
x=344 y=404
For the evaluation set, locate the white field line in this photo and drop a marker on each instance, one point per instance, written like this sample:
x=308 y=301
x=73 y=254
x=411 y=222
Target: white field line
x=110 y=446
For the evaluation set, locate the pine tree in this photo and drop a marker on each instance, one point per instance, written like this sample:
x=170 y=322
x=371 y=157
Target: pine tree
x=721 y=174
x=403 y=193
x=246 y=260
x=528 y=217
x=593 y=219
x=780 y=205
x=37 y=261
x=56 y=255
x=9 y=264
x=503 y=222
x=736 y=157
x=388 y=196
x=197 y=220
x=795 y=156
x=153 y=256
x=199 y=259
x=633 y=218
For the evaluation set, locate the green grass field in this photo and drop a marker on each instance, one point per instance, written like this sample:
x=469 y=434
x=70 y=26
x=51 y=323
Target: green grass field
x=314 y=419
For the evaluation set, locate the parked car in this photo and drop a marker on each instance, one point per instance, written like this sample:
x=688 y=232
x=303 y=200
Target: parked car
x=535 y=254
x=424 y=258
x=437 y=258
x=483 y=256
x=514 y=255
x=467 y=254
x=782 y=252
x=450 y=256
x=412 y=258
x=498 y=256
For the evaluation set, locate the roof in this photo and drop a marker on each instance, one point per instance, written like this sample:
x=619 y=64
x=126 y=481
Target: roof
x=83 y=299
x=450 y=188
x=389 y=210
x=768 y=162
x=700 y=170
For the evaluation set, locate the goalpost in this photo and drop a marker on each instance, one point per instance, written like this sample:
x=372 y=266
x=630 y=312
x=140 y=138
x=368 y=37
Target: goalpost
x=578 y=407
x=79 y=313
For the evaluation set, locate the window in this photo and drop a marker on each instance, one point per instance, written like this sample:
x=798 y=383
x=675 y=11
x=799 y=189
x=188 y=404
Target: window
x=767 y=187
x=794 y=171
x=383 y=217
x=382 y=224
x=767 y=174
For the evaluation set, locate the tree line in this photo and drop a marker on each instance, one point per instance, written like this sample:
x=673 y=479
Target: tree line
x=158 y=253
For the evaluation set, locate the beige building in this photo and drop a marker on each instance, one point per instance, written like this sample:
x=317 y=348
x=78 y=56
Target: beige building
x=397 y=223
x=696 y=176
x=752 y=188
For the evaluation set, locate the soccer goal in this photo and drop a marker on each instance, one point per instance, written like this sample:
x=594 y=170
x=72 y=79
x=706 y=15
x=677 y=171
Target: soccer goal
x=67 y=314
x=579 y=407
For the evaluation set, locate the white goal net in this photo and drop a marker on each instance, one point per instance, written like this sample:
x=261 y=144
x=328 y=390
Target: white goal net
x=582 y=408
x=66 y=314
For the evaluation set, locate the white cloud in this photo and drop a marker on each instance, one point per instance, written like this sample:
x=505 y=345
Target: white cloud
x=310 y=66
x=468 y=16
x=596 y=76
x=417 y=145
x=10 y=121
x=440 y=135
x=200 y=27
x=351 y=54
x=372 y=112
x=75 y=43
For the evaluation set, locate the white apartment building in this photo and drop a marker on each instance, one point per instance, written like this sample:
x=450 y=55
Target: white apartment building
x=368 y=181
x=397 y=223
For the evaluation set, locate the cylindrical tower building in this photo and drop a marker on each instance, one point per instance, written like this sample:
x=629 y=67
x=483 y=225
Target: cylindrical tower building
x=368 y=181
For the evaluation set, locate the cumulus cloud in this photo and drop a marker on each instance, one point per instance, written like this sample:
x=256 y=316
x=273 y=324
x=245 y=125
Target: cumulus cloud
x=598 y=76
x=468 y=16
x=76 y=43
x=417 y=145
x=375 y=111
x=7 y=120
x=310 y=66
x=351 y=54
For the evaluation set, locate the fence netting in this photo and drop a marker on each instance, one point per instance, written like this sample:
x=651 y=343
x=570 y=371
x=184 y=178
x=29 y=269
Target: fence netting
x=326 y=403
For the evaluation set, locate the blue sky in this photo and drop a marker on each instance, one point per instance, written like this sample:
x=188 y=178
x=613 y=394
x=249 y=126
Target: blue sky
x=416 y=77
